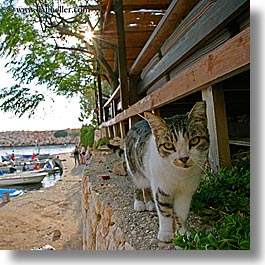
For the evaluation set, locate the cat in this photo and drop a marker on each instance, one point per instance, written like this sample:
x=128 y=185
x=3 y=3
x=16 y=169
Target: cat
x=166 y=158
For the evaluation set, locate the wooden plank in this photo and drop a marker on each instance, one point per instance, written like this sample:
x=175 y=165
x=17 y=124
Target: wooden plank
x=122 y=130
x=229 y=59
x=116 y=130
x=121 y=54
x=131 y=53
x=114 y=95
x=219 y=153
x=241 y=142
x=106 y=13
x=220 y=13
x=177 y=10
x=143 y=4
x=133 y=120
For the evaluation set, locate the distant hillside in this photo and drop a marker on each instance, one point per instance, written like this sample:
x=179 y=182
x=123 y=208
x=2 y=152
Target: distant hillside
x=30 y=138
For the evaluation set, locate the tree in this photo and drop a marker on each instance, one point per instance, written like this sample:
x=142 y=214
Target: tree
x=45 y=45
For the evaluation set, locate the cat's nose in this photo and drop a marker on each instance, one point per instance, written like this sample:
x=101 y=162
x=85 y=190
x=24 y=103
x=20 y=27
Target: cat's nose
x=184 y=159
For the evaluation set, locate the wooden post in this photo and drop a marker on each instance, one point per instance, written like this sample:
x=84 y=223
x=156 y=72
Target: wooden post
x=116 y=130
x=122 y=129
x=100 y=99
x=121 y=49
x=219 y=153
x=133 y=120
x=133 y=81
x=110 y=134
x=96 y=102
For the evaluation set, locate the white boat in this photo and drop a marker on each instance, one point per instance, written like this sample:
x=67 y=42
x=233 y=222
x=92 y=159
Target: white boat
x=22 y=178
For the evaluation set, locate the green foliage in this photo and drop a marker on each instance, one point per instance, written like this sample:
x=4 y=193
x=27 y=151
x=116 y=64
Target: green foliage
x=103 y=141
x=232 y=234
x=75 y=132
x=222 y=200
x=87 y=135
x=227 y=190
x=61 y=133
x=46 y=48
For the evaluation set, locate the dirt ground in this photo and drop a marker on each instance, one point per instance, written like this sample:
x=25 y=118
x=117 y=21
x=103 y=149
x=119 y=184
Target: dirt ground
x=50 y=216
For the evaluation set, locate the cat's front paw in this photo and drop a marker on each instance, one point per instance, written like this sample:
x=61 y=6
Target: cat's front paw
x=165 y=236
x=139 y=206
x=150 y=206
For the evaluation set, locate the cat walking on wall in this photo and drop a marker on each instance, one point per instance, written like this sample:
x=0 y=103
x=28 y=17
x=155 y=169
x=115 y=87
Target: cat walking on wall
x=166 y=158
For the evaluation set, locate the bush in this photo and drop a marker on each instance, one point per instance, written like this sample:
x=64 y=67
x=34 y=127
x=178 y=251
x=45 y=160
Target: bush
x=61 y=133
x=222 y=200
x=103 y=141
x=87 y=135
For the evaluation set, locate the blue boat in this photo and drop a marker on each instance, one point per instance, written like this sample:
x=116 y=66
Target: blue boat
x=12 y=192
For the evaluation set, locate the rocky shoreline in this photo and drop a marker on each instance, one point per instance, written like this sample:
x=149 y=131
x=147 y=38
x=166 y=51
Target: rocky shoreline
x=31 y=138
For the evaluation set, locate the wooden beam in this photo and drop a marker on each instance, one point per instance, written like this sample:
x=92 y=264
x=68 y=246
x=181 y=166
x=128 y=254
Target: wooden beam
x=140 y=4
x=228 y=60
x=216 y=16
x=122 y=129
x=121 y=54
x=219 y=153
x=106 y=14
x=177 y=10
x=115 y=95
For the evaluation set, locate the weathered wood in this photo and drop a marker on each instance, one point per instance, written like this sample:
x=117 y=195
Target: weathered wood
x=100 y=96
x=131 y=53
x=219 y=14
x=114 y=95
x=138 y=4
x=116 y=130
x=106 y=13
x=121 y=54
x=133 y=80
x=177 y=10
x=241 y=142
x=219 y=153
x=133 y=120
x=136 y=19
x=122 y=130
x=228 y=60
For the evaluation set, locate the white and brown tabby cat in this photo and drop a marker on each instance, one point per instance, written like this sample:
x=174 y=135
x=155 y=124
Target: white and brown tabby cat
x=168 y=155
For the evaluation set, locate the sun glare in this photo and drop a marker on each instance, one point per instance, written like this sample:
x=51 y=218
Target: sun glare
x=89 y=35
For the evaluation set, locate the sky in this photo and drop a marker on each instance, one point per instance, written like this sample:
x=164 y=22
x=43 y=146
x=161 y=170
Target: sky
x=61 y=114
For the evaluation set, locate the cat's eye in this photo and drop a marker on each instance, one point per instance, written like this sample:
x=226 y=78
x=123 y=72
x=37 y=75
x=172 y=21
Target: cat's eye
x=194 y=141
x=169 y=146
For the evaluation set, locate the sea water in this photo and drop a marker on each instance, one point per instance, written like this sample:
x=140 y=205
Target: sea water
x=49 y=180
x=29 y=150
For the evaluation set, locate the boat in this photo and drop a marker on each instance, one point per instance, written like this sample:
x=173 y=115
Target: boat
x=12 y=192
x=28 y=177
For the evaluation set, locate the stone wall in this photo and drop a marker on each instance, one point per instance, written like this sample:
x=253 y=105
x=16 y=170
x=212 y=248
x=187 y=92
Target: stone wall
x=100 y=225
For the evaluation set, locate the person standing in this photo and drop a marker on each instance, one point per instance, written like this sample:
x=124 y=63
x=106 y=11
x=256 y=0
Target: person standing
x=88 y=155
x=58 y=163
x=82 y=154
x=76 y=156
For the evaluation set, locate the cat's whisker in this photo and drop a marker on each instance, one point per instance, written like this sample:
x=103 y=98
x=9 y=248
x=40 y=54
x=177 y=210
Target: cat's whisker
x=138 y=113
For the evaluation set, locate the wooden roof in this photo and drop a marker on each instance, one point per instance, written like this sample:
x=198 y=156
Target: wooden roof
x=140 y=19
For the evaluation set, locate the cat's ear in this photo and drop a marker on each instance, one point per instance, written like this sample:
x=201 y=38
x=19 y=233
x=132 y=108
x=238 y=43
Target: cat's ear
x=198 y=111
x=157 y=124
